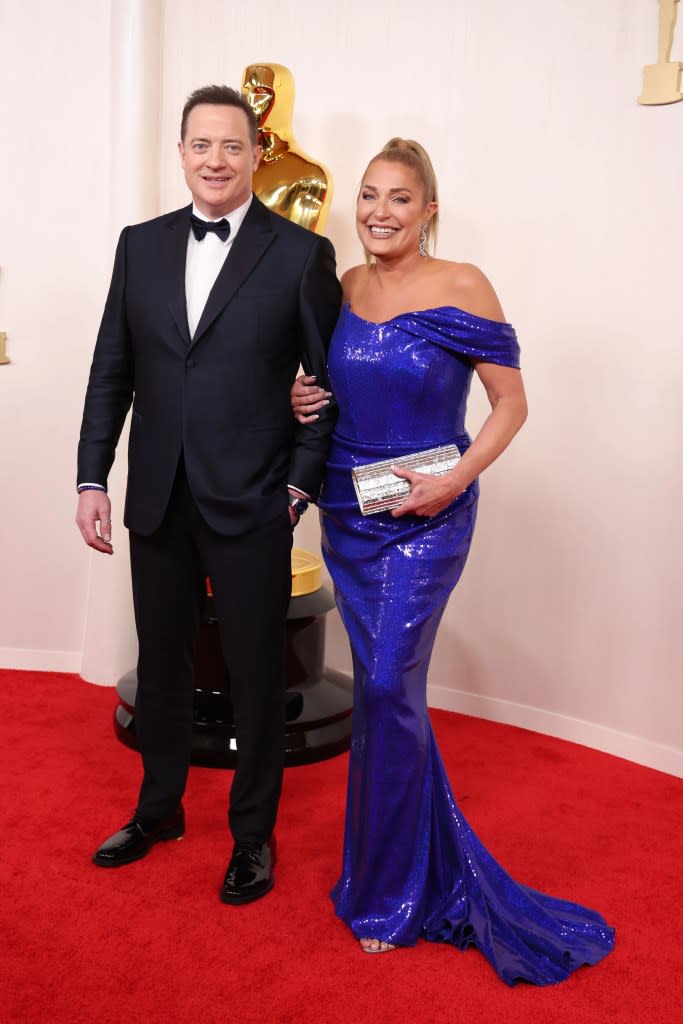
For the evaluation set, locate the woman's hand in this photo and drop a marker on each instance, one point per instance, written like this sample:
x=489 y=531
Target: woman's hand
x=429 y=494
x=306 y=398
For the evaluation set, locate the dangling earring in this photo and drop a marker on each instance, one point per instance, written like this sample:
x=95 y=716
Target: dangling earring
x=422 y=247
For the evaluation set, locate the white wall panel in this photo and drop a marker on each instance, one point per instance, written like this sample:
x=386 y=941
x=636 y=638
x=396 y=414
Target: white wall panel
x=553 y=179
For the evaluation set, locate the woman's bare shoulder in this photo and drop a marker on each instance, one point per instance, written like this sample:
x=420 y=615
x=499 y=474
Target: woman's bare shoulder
x=470 y=289
x=352 y=279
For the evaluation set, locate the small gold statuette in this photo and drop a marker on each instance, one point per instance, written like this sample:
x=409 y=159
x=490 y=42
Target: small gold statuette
x=662 y=81
x=287 y=180
x=4 y=358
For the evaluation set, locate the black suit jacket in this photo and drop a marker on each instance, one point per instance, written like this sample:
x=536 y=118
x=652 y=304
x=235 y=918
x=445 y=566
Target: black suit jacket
x=221 y=398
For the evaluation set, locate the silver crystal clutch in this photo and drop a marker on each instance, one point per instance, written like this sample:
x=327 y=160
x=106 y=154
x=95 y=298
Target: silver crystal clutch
x=378 y=489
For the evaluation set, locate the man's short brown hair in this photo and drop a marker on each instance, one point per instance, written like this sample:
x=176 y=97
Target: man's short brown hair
x=224 y=96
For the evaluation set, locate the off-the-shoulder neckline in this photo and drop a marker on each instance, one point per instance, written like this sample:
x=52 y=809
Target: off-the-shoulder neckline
x=419 y=312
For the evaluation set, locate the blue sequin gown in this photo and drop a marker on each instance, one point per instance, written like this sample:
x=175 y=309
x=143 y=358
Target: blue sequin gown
x=412 y=866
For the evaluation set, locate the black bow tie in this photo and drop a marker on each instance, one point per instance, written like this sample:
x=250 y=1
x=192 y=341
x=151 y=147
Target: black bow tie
x=219 y=227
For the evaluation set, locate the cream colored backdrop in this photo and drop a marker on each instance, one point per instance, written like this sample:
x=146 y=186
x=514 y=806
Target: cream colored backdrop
x=553 y=179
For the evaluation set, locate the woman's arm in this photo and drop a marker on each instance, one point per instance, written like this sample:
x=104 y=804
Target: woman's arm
x=505 y=391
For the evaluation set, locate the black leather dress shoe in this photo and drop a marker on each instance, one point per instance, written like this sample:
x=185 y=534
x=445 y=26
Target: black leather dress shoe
x=250 y=872
x=137 y=838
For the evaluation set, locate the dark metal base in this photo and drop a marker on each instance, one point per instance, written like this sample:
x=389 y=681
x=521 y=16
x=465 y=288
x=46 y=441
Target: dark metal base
x=318 y=699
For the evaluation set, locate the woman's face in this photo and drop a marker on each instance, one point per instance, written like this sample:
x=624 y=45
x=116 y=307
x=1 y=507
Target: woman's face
x=391 y=209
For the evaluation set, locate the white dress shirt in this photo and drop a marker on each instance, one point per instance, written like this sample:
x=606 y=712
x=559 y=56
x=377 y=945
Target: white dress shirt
x=205 y=259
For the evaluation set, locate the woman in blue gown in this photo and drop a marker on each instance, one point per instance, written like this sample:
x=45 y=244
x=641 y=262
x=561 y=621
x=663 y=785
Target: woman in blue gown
x=410 y=334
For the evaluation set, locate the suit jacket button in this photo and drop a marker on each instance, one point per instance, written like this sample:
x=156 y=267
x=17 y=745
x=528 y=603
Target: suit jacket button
x=189 y=363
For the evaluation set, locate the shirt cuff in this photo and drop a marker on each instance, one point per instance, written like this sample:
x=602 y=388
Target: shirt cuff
x=297 y=490
x=90 y=487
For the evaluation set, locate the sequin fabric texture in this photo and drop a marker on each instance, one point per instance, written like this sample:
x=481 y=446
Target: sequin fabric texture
x=412 y=866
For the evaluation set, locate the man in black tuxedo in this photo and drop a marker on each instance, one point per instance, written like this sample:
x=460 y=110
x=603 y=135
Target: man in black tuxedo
x=209 y=306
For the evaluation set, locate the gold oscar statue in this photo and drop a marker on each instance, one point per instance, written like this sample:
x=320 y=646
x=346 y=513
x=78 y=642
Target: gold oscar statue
x=287 y=180
x=4 y=358
x=662 y=81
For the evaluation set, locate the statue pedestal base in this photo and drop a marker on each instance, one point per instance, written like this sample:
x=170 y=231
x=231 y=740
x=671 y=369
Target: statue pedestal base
x=318 y=699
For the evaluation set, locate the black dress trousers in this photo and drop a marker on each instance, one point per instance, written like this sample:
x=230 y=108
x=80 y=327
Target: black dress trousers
x=251 y=582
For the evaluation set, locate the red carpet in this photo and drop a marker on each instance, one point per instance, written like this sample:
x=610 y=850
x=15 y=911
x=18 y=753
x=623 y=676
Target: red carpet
x=151 y=942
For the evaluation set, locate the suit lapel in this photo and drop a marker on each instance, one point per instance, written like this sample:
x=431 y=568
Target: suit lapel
x=254 y=237
x=178 y=228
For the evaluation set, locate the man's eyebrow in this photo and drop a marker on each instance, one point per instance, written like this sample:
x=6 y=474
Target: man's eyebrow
x=201 y=138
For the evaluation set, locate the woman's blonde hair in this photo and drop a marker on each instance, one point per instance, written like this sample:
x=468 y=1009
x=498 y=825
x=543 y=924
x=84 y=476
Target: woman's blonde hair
x=412 y=154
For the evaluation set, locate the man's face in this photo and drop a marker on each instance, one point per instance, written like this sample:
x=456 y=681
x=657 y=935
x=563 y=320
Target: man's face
x=218 y=158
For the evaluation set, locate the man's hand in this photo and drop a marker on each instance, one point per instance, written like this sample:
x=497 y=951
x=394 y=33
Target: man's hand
x=95 y=507
x=294 y=515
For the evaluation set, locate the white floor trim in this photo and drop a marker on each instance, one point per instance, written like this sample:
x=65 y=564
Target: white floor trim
x=40 y=660
x=577 y=730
